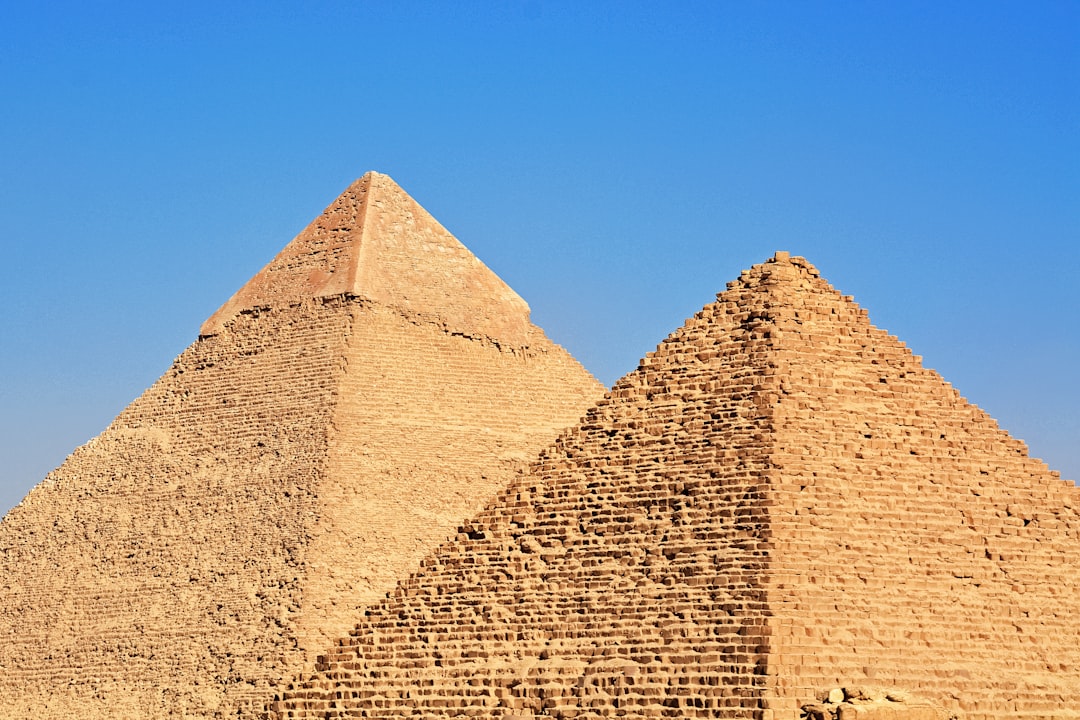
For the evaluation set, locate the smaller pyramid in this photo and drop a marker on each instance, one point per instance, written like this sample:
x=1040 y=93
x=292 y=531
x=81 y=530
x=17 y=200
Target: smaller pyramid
x=780 y=501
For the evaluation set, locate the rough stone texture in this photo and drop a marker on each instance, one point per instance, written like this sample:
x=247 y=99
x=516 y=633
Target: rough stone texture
x=337 y=419
x=779 y=501
x=915 y=543
x=872 y=704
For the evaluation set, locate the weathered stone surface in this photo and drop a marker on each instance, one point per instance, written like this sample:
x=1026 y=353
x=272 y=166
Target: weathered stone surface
x=779 y=501
x=916 y=545
x=376 y=243
x=867 y=703
x=339 y=417
x=779 y=505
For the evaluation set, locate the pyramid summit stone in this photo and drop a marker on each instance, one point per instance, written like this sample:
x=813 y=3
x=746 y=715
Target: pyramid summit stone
x=339 y=417
x=779 y=506
x=377 y=243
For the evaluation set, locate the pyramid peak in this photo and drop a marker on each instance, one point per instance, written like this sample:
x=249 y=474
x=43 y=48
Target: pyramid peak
x=778 y=501
x=783 y=257
x=374 y=177
x=376 y=243
x=781 y=269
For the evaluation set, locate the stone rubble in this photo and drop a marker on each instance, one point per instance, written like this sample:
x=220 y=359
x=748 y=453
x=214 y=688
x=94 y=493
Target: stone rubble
x=872 y=704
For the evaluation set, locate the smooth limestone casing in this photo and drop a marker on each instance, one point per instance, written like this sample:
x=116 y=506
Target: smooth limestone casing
x=780 y=501
x=341 y=415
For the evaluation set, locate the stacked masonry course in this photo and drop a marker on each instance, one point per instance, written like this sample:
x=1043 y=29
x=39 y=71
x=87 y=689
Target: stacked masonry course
x=915 y=543
x=339 y=417
x=779 y=501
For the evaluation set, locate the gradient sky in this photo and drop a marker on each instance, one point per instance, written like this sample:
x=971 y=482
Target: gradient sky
x=615 y=163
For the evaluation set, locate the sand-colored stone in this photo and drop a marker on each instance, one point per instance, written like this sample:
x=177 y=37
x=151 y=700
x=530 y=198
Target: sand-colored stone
x=376 y=244
x=779 y=502
x=339 y=417
x=873 y=704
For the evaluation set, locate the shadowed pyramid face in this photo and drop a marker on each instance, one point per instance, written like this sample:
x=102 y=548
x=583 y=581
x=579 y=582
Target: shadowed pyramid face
x=780 y=500
x=367 y=391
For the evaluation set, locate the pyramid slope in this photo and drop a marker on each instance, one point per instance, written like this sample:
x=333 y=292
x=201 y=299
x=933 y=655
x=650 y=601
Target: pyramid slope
x=232 y=518
x=778 y=501
x=917 y=544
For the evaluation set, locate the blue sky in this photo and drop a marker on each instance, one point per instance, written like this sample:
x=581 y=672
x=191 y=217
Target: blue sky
x=615 y=163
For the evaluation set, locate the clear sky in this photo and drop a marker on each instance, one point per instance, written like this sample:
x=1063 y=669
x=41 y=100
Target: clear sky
x=615 y=162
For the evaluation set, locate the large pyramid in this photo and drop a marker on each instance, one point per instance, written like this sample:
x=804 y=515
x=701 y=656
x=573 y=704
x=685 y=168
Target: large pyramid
x=779 y=502
x=340 y=416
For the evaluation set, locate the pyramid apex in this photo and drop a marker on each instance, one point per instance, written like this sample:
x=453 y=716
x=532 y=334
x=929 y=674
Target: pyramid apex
x=781 y=267
x=793 y=478
x=376 y=243
x=786 y=258
x=374 y=176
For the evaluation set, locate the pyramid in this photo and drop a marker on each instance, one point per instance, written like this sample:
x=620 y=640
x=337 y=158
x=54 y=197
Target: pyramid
x=780 y=506
x=337 y=418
